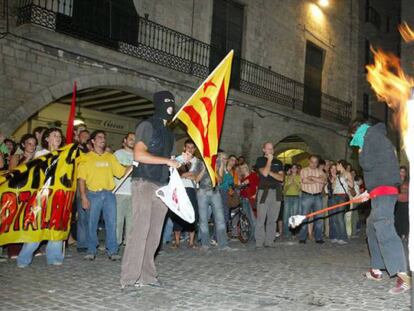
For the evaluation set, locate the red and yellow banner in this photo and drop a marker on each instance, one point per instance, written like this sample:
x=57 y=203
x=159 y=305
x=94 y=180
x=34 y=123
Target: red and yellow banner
x=203 y=113
x=36 y=198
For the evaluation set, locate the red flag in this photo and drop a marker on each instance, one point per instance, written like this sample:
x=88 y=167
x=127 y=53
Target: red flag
x=71 y=119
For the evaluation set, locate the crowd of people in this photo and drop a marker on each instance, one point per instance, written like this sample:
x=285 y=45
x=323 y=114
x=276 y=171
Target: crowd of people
x=268 y=191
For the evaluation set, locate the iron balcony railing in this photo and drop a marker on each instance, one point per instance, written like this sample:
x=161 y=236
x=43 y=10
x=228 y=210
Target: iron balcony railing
x=117 y=26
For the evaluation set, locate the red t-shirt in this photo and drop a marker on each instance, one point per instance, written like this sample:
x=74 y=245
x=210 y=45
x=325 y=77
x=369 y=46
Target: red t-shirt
x=251 y=188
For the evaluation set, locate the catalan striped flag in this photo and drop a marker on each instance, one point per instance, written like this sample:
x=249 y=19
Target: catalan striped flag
x=203 y=113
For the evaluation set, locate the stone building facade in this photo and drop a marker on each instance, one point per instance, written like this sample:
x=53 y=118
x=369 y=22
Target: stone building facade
x=379 y=20
x=40 y=60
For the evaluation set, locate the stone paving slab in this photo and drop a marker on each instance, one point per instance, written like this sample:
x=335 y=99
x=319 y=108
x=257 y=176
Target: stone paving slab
x=289 y=277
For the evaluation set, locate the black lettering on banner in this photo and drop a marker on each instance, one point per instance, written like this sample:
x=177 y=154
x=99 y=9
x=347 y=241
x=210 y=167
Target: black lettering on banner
x=70 y=160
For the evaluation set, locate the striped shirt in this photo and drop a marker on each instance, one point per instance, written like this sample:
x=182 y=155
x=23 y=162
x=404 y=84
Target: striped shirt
x=312 y=187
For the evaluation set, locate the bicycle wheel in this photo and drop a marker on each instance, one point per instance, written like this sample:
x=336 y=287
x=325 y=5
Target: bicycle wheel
x=244 y=229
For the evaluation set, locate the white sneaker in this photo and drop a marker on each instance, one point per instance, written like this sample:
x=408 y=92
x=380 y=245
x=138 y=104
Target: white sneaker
x=334 y=241
x=342 y=242
x=228 y=249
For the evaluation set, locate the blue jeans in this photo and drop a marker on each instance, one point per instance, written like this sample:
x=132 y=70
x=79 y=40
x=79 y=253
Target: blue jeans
x=249 y=213
x=102 y=201
x=168 y=229
x=226 y=209
x=205 y=199
x=337 y=228
x=384 y=244
x=311 y=203
x=54 y=253
x=291 y=208
x=82 y=224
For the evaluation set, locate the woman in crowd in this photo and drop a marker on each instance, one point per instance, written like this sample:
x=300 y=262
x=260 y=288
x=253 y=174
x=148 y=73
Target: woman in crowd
x=226 y=181
x=339 y=183
x=52 y=140
x=291 y=190
x=401 y=208
x=249 y=183
x=28 y=146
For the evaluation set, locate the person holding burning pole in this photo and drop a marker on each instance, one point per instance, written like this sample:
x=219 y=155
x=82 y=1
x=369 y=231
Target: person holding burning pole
x=378 y=159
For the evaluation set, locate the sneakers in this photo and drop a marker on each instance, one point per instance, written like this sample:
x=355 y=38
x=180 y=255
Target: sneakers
x=22 y=266
x=90 y=257
x=320 y=241
x=374 y=274
x=302 y=241
x=114 y=257
x=56 y=263
x=155 y=284
x=228 y=249
x=334 y=240
x=342 y=242
x=403 y=284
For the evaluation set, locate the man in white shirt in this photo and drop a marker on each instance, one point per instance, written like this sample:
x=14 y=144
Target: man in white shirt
x=123 y=194
x=188 y=176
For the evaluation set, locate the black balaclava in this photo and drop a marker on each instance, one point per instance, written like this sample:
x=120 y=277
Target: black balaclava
x=162 y=101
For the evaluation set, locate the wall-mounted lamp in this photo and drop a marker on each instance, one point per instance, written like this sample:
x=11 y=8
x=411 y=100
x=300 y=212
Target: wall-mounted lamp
x=78 y=119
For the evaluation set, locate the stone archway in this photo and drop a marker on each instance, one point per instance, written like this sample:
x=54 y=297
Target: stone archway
x=135 y=84
x=300 y=141
x=300 y=146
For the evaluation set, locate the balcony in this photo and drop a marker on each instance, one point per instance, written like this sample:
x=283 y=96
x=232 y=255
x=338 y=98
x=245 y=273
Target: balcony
x=161 y=45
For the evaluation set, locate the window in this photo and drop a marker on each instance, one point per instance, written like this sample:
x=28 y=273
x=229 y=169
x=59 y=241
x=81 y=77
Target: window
x=368 y=57
x=102 y=21
x=372 y=16
x=388 y=24
x=227 y=34
x=313 y=80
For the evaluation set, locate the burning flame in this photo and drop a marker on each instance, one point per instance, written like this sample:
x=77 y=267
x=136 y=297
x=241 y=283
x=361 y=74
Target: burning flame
x=394 y=87
x=406 y=32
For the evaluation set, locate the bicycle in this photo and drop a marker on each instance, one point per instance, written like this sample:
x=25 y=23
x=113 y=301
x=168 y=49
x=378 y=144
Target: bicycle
x=239 y=224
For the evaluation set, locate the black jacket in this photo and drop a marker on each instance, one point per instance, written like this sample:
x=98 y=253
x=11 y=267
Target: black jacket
x=378 y=159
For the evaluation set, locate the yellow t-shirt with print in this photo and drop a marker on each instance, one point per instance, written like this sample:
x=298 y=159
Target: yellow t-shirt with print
x=98 y=171
x=292 y=185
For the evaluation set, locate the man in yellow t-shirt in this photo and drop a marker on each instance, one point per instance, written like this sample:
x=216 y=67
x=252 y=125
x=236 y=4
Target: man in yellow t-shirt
x=96 y=173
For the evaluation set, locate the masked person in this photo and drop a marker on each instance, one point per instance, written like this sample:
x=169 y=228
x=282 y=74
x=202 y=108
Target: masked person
x=154 y=147
x=379 y=162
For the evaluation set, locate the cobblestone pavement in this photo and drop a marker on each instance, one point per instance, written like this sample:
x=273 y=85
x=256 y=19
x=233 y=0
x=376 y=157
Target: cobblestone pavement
x=289 y=277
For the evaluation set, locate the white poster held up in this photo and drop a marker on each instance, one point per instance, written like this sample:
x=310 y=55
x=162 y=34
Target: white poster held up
x=176 y=198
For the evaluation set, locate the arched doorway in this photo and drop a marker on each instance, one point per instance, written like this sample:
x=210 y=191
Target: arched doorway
x=297 y=148
x=112 y=110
